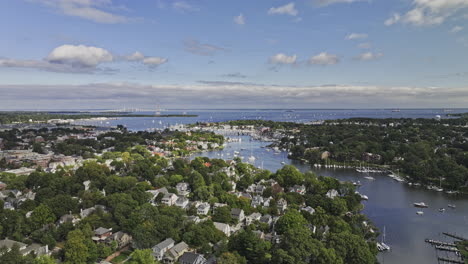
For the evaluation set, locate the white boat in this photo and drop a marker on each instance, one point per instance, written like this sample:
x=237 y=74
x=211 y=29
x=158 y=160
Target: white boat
x=283 y=162
x=452 y=206
x=421 y=205
x=252 y=159
x=419 y=212
x=441 y=210
x=384 y=246
x=369 y=178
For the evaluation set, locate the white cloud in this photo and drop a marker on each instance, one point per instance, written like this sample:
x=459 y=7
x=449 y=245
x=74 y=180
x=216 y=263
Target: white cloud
x=365 y=45
x=136 y=56
x=324 y=59
x=430 y=12
x=281 y=58
x=184 y=6
x=456 y=29
x=79 y=56
x=353 y=36
x=154 y=61
x=367 y=56
x=204 y=49
x=87 y=9
x=395 y=18
x=240 y=19
x=330 y=2
x=288 y=9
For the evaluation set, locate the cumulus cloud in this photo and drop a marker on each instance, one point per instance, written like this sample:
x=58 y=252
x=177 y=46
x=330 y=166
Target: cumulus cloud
x=228 y=94
x=204 y=49
x=456 y=29
x=79 y=56
x=240 y=19
x=367 y=56
x=288 y=9
x=353 y=36
x=330 y=2
x=282 y=58
x=324 y=58
x=429 y=12
x=93 y=10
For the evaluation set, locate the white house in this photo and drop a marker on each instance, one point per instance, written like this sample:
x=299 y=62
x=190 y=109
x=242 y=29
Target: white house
x=203 y=209
x=225 y=228
x=169 y=199
x=161 y=248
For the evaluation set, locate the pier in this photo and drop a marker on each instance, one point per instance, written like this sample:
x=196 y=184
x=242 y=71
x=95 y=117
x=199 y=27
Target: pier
x=447 y=260
x=440 y=243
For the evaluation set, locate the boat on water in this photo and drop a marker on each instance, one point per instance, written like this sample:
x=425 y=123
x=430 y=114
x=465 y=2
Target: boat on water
x=382 y=246
x=283 y=162
x=369 y=178
x=252 y=158
x=419 y=212
x=357 y=183
x=452 y=206
x=421 y=205
x=441 y=210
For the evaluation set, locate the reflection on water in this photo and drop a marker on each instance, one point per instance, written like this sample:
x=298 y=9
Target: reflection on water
x=390 y=204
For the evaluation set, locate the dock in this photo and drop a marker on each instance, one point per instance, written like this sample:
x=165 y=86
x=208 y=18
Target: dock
x=445 y=248
x=440 y=243
x=447 y=260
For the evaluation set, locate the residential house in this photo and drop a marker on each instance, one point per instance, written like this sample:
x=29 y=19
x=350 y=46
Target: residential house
x=182 y=202
x=237 y=214
x=267 y=219
x=25 y=249
x=332 y=194
x=192 y=258
x=300 y=189
x=122 y=239
x=253 y=217
x=203 y=208
x=257 y=201
x=68 y=218
x=101 y=234
x=160 y=249
x=225 y=228
x=282 y=205
x=308 y=209
x=169 y=199
x=183 y=188
x=173 y=254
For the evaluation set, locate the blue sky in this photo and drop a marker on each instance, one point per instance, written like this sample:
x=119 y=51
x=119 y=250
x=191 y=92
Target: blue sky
x=213 y=53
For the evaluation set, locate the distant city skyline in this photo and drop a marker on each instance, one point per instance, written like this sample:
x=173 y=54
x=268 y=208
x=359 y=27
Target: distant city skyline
x=104 y=54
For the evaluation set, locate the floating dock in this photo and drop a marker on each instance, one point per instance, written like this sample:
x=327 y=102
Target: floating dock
x=455 y=236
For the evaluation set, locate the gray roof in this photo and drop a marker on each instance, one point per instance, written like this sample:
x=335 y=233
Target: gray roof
x=236 y=211
x=189 y=257
x=164 y=244
x=101 y=231
x=9 y=243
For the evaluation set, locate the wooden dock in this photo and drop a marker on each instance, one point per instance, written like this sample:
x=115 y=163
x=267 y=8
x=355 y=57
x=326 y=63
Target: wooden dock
x=439 y=243
x=447 y=260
